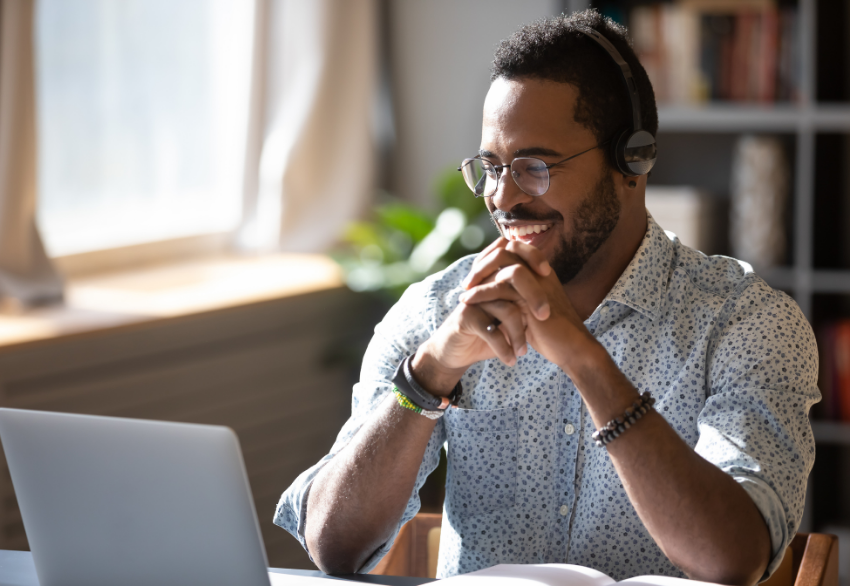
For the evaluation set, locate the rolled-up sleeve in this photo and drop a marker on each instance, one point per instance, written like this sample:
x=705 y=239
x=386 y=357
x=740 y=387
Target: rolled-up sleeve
x=755 y=423
x=406 y=326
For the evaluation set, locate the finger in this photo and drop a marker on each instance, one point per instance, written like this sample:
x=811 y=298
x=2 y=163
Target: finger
x=476 y=321
x=527 y=285
x=497 y=244
x=531 y=255
x=512 y=326
x=489 y=264
x=515 y=283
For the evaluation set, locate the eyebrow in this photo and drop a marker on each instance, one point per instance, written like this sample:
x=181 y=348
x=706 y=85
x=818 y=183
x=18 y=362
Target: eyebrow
x=527 y=152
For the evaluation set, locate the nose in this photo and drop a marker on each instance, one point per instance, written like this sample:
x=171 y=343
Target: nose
x=508 y=194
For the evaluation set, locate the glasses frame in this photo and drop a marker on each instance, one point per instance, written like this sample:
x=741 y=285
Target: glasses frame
x=500 y=170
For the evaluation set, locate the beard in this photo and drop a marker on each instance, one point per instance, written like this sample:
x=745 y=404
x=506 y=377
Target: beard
x=593 y=222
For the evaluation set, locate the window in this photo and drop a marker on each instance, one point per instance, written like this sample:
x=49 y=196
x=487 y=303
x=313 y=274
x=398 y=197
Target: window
x=142 y=119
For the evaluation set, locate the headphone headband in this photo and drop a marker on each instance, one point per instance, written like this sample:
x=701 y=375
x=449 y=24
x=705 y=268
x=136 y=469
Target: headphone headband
x=628 y=79
x=633 y=149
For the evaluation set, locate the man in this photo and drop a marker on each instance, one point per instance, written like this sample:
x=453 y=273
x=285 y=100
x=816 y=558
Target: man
x=555 y=330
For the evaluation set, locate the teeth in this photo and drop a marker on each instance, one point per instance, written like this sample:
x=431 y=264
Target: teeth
x=518 y=231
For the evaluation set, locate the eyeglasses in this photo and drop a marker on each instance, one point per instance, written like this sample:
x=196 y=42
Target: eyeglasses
x=530 y=175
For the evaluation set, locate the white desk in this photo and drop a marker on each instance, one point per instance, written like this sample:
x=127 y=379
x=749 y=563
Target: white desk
x=17 y=569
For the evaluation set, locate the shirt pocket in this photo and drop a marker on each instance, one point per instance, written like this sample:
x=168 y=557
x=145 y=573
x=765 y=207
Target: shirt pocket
x=482 y=458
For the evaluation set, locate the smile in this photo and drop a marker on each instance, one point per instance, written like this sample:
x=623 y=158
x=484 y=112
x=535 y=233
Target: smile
x=517 y=232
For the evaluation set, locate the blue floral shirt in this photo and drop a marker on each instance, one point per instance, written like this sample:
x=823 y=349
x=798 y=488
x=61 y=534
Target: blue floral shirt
x=731 y=362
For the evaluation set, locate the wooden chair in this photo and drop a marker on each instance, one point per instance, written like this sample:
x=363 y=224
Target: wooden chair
x=810 y=560
x=415 y=550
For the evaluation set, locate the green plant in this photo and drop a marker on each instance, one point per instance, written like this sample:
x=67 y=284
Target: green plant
x=405 y=243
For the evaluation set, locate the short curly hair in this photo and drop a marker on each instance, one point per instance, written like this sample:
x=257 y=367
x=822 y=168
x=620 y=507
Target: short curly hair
x=553 y=49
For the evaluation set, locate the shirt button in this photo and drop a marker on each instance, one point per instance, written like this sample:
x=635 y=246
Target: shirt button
x=569 y=429
x=564 y=510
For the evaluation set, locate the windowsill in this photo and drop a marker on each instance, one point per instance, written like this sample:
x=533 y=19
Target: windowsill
x=119 y=299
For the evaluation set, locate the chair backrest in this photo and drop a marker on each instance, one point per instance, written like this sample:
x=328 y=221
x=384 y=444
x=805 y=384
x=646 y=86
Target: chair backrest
x=815 y=561
x=810 y=560
x=415 y=550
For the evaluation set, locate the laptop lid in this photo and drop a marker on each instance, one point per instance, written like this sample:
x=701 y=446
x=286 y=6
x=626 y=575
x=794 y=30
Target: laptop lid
x=108 y=501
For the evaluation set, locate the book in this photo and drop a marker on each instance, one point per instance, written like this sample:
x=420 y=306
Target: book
x=736 y=50
x=834 y=376
x=693 y=215
x=842 y=370
x=826 y=344
x=555 y=575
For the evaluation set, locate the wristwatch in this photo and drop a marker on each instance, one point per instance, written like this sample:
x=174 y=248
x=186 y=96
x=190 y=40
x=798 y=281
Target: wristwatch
x=407 y=385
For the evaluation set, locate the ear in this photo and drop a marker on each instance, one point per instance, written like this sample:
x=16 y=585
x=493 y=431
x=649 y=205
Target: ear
x=625 y=183
x=631 y=188
x=632 y=181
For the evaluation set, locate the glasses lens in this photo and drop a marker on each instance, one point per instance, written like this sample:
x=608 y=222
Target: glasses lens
x=480 y=176
x=531 y=175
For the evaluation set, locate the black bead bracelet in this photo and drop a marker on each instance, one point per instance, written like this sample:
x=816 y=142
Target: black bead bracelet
x=614 y=428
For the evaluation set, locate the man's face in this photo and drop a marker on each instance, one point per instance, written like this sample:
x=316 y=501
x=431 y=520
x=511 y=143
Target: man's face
x=569 y=223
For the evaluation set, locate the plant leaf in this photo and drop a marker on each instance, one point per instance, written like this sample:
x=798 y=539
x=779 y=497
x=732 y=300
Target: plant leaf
x=403 y=217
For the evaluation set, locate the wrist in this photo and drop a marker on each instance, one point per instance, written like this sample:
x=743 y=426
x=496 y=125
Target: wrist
x=603 y=386
x=432 y=375
x=583 y=358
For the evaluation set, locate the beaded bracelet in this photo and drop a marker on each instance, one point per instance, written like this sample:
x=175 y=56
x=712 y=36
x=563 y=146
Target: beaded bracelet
x=405 y=402
x=614 y=428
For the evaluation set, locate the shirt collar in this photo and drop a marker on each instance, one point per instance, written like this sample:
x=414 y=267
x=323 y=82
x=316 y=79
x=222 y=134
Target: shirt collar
x=641 y=286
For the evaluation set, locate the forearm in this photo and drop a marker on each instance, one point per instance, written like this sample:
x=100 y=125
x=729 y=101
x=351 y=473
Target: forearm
x=702 y=519
x=358 y=498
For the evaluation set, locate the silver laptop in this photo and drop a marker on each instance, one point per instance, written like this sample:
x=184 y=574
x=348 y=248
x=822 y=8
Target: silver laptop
x=108 y=501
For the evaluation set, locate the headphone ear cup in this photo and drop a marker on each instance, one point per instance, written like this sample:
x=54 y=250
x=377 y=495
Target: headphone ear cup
x=618 y=143
x=634 y=152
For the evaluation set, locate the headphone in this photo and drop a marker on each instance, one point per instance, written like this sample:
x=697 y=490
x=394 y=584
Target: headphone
x=633 y=149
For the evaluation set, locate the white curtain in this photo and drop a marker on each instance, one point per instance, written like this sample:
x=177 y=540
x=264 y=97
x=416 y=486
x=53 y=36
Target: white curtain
x=310 y=162
x=26 y=274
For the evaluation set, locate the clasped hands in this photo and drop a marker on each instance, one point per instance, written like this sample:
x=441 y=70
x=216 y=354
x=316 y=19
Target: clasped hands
x=512 y=286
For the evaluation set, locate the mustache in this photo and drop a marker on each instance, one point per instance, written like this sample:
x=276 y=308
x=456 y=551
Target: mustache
x=522 y=215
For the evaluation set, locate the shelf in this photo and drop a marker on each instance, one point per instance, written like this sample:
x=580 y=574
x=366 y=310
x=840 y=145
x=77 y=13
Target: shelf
x=745 y=117
x=815 y=281
x=831 y=432
x=831 y=281
x=779 y=278
x=728 y=118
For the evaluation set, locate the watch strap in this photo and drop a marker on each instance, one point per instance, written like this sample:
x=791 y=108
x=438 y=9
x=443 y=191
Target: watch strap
x=407 y=385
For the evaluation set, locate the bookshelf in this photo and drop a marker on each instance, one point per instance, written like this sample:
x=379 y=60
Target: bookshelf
x=831 y=433
x=817 y=268
x=747 y=118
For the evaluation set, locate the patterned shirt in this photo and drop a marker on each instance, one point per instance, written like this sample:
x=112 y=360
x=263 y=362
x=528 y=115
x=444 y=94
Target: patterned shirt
x=731 y=362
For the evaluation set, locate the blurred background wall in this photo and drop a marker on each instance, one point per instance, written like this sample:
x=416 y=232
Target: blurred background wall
x=439 y=61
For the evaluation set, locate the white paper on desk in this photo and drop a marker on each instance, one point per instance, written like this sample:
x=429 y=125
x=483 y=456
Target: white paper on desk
x=531 y=575
x=556 y=575
x=290 y=580
x=664 y=581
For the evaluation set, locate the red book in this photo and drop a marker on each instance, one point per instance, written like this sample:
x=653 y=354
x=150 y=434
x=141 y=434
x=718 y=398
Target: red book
x=842 y=370
x=741 y=55
x=754 y=59
x=724 y=74
x=768 y=58
x=826 y=375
